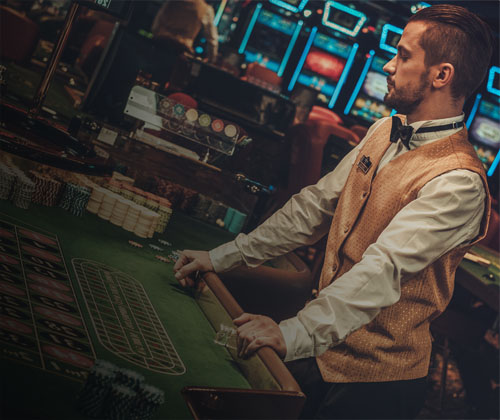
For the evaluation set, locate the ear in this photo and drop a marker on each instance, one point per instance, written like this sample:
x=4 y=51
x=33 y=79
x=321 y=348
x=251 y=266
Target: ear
x=443 y=75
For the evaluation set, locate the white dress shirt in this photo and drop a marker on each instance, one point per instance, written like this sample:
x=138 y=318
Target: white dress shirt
x=446 y=214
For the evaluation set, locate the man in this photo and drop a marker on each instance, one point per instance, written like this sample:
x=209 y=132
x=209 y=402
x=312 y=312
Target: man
x=178 y=23
x=400 y=211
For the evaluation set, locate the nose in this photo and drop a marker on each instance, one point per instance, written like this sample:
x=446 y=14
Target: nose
x=390 y=66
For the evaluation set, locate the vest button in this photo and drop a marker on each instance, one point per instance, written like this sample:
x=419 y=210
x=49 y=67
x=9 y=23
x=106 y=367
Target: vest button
x=346 y=229
x=364 y=194
x=334 y=267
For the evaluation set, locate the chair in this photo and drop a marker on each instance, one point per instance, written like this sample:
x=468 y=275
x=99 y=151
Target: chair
x=18 y=35
x=319 y=113
x=308 y=141
x=93 y=46
x=262 y=76
x=360 y=130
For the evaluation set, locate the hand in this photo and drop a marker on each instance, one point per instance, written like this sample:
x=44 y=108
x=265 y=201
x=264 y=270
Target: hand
x=256 y=331
x=189 y=262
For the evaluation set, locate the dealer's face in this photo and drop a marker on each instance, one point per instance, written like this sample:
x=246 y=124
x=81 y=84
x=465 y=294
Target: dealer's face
x=408 y=80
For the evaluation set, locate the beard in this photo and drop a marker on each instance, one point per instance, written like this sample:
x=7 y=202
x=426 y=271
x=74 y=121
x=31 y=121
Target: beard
x=406 y=99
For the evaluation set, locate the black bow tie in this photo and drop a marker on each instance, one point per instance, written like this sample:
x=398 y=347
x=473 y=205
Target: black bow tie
x=400 y=131
x=404 y=132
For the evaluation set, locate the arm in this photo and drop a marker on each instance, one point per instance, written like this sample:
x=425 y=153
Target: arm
x=210 y=32
x=446 y=214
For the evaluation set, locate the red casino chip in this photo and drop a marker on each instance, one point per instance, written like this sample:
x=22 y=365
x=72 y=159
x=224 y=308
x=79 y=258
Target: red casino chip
x=41 y=253
x=67 y=356
x=58 y=316
x=217 y=126
x=47 y=281
x=14 y=325
x=37 y=237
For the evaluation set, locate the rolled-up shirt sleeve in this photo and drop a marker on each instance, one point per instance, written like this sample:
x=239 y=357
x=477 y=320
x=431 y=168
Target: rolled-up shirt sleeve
x=303 y=220
x=446 y=214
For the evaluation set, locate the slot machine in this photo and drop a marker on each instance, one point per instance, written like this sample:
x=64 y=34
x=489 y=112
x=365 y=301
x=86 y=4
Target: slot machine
x=366 y=103
x=271 y=33
x=329 y=53
x=483 y=125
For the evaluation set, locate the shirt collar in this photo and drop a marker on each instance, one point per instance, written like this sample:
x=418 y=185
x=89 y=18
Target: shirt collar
x=419 y=139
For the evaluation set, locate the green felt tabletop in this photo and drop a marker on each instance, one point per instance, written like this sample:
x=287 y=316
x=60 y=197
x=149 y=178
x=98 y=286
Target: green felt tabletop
x=48 y=395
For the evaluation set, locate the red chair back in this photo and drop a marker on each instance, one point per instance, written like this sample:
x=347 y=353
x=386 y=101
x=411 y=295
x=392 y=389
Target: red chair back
x=319 y=113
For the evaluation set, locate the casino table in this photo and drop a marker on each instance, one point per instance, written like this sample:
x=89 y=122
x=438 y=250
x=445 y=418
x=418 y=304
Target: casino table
x=482 y=281
x=72 y=290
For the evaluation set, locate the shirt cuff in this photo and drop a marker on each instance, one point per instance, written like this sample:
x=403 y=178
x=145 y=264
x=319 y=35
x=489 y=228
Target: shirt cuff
x=299 y=343
x=225 y=257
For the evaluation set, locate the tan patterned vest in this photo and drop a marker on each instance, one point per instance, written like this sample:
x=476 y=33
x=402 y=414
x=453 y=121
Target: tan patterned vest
x=396 y=345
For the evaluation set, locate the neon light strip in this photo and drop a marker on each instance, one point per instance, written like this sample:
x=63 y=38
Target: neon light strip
x=494 y=164
x=330 y=4
x=473 y=111
x=287 y=6
x=360 y=82
x=385 y=30
x=290 y=48
x=302 y=58
x=219 y=13
x=341 y=82
x=255 y=15
x=491 y=79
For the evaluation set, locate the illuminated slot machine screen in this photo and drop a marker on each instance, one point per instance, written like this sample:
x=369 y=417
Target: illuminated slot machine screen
x=484 y=134
x=367 y=101
x=269 y=39
x=327 y=59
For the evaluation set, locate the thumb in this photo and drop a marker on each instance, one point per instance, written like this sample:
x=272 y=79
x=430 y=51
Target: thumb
x=186 y=270
x=243 y=319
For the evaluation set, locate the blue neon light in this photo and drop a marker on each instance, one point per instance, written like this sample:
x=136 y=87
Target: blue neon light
x=255 y=15
x=360 y=82
x=473 y=111
x=253 y=57
x=491 y=79
x=341 y=82
x=288 y=6
x=330 y=4
x=290 y=48
x=494 y=164
x=219 y=13
x=302 y=58
x=385 y=31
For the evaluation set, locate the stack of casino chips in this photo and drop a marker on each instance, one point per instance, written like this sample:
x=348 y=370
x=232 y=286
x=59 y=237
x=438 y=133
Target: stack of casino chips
x=95 y=199
x=120 y=211
x=47 y=189
x=75 y=198
x=7 y=180
x=165 y=212
x=92 y=398
x=117 y=393
x=108 y=202
x=132 y=217
x=146 y=223
x=22 y=190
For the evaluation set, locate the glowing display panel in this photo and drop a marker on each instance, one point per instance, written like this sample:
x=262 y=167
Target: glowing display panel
x=367 y=101
x=270 y=39
x=484 y=134
x=324 y=65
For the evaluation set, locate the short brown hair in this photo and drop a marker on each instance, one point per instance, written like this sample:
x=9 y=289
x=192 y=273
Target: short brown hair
x=457 y=36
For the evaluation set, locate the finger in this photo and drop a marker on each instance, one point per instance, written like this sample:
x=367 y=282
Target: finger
x=187 y=270
x=183 y=260
x=243 y=343
x=255 y=345
x=243 y=319
x=186 y=282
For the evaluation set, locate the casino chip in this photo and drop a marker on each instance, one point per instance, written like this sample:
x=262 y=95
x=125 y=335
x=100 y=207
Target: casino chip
x=164 y=242
x=148 y=400
x=135 y=244
x=162 y=258
x=93 y=396
x=155 y=247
